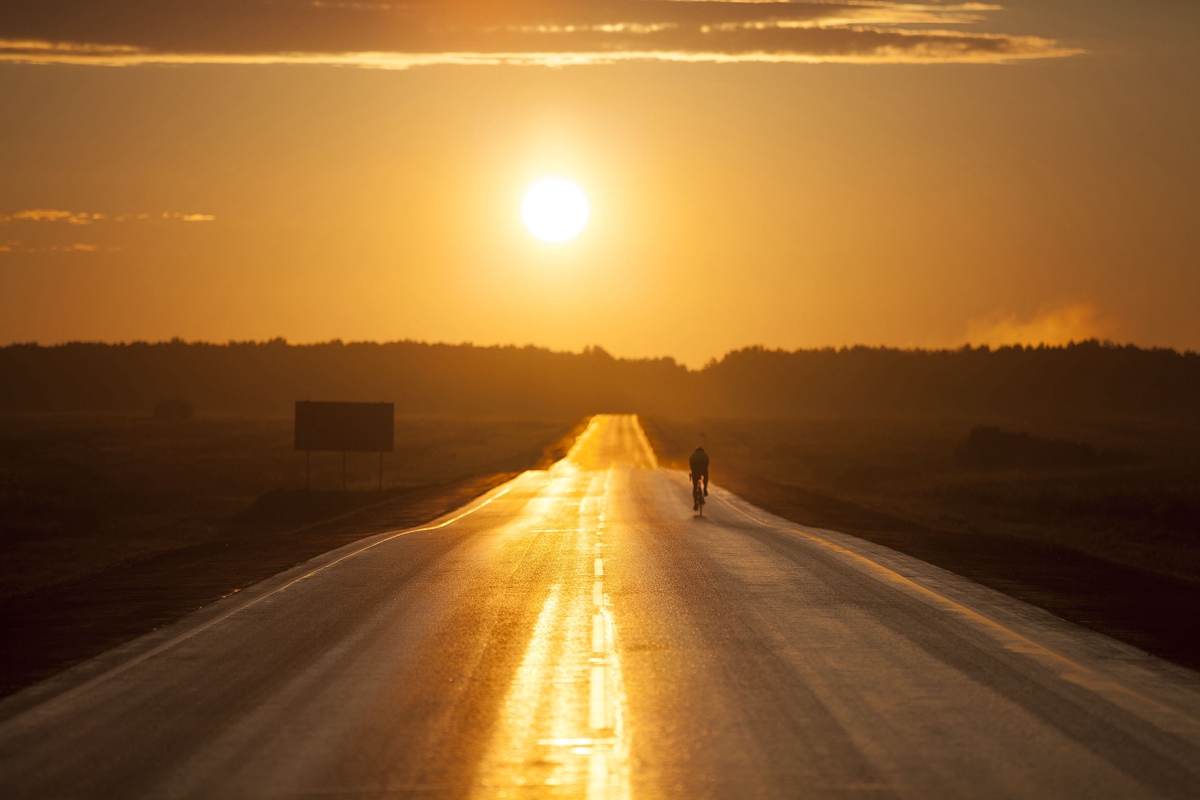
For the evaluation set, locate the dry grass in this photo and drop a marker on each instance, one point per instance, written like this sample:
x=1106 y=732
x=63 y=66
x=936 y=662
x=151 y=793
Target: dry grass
x=79 y=493
x=112 y=526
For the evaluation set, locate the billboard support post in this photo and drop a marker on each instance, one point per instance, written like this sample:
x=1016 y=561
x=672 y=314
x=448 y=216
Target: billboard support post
x=344 y=428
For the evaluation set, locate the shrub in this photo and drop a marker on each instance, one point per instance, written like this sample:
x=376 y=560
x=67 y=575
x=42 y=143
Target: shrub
x=173 y=409
x=987 y=447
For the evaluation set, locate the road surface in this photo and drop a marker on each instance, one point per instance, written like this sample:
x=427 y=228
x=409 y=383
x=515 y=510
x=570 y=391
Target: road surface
x=579 y=632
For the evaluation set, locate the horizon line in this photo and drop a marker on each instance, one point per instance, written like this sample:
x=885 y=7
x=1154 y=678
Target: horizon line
x=596 y=348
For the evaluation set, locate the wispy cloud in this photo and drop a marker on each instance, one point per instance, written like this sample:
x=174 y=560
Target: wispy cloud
x=39 y=215
x=402 y=35
x=43 y=224
x=1070 y=323
x=54 y=215
x=77 y=247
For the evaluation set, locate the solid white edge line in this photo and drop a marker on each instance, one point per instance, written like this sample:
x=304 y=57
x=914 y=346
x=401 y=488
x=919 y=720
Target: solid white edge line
x=141 y=658
x=645 y=440
x=1068 y=669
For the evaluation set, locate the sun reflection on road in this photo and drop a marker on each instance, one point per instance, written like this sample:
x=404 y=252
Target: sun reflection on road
x=563 y=728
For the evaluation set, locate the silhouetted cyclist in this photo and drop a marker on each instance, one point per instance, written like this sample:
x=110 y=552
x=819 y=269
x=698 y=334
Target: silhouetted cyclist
x=699 y=464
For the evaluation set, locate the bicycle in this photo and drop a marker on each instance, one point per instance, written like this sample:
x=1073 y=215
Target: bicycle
x=697 y=494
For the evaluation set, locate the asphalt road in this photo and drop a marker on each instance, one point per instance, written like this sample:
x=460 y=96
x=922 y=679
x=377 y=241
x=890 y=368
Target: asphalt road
x=581 y=633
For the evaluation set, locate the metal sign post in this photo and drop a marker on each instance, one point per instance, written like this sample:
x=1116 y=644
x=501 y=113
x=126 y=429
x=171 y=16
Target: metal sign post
x=344 y=427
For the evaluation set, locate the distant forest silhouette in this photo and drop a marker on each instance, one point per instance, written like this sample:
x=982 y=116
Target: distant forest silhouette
x=1088 y=378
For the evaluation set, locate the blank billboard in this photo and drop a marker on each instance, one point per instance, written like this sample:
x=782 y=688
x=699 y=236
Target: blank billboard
x=352 y=427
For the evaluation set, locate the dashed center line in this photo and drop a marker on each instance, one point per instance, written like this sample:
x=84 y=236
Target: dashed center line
x=597 y=718
x=563 y=716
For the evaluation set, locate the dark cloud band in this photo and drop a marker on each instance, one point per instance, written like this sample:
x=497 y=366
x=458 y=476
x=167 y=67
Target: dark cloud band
x=403 y=34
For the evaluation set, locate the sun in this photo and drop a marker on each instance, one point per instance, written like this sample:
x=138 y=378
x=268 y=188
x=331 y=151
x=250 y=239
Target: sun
x=554 y=210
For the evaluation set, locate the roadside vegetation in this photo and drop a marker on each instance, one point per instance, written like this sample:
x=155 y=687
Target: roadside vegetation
x=114 y=525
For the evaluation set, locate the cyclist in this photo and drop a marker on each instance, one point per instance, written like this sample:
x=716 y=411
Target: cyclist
x=699 y=464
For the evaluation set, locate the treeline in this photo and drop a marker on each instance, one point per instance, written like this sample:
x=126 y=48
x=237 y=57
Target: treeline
x=1089 y=378
x=268 y=377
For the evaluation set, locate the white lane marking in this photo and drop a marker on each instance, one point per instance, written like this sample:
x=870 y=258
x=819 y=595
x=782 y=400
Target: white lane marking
x=598 y=633
x=599 y=567
x=183 y=637
x=597 y=785
x=647 y=449
x=596 y=708
x=598 y=593
x=592 y=426
x=1067 y=669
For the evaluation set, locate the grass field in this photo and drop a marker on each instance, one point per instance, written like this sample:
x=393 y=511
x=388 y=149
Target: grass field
x=111 y=526
x=1114 y=544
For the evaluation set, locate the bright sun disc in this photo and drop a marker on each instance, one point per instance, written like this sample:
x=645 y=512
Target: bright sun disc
x=554 y=210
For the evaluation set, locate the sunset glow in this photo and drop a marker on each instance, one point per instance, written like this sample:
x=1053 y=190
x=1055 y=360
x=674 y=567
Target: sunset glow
x=605 y=399
x=907 y=174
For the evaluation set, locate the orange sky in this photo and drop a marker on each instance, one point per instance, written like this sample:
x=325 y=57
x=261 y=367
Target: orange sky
x=759 y=173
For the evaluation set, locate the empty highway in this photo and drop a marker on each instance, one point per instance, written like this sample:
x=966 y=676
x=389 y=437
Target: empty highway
x=580 y=632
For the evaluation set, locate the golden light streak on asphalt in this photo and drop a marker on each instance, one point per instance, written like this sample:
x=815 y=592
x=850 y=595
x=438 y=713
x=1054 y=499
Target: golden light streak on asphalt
x=562 y=730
